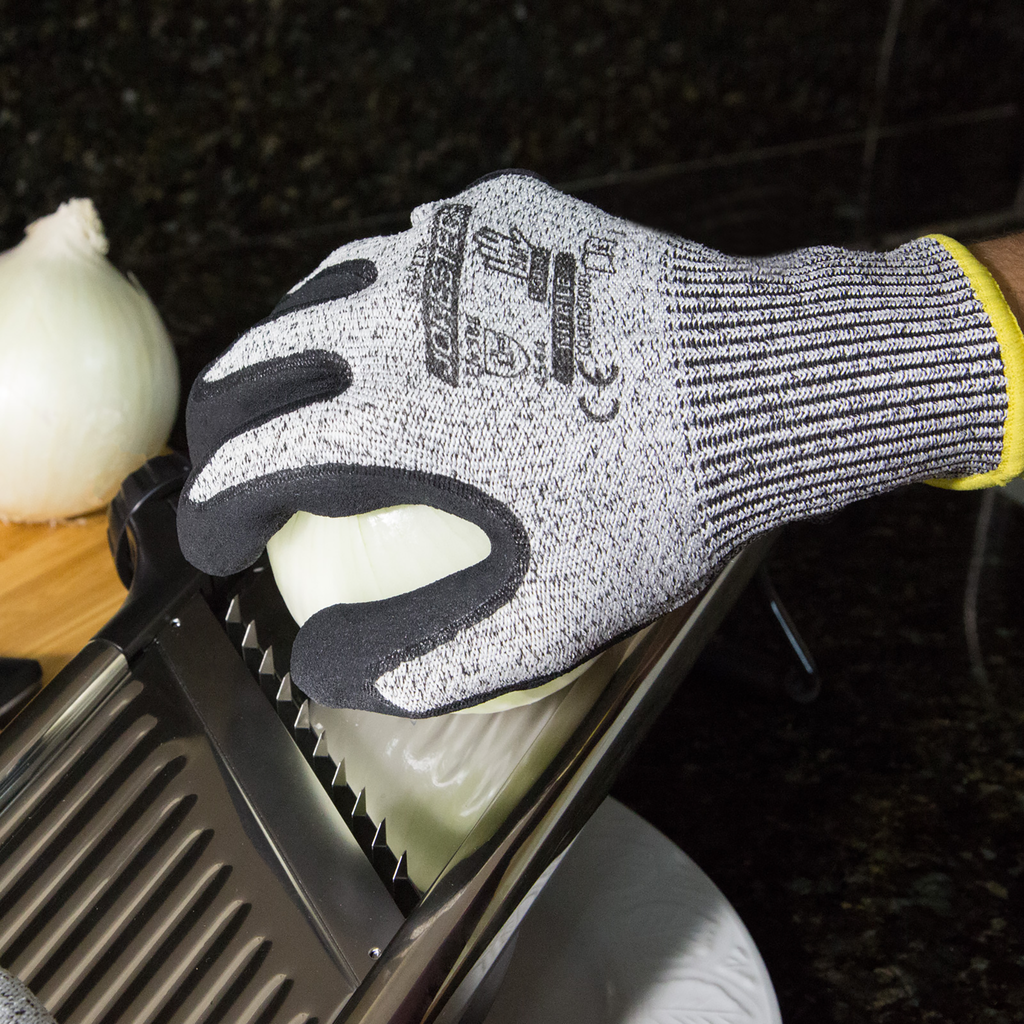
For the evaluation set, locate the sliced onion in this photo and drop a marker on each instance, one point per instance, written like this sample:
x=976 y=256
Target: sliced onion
x=432 y=779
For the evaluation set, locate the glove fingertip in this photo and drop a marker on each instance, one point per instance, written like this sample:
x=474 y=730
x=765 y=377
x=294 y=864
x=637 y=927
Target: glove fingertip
x=210 y=537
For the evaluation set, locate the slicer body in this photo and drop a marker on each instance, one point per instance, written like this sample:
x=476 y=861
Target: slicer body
x=184 y=837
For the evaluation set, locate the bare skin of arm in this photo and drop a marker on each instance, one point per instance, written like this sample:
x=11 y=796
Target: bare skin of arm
x=1004 y=257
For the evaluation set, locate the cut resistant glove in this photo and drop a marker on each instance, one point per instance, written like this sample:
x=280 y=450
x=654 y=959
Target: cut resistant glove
x=618 y=409
x=17 y=1003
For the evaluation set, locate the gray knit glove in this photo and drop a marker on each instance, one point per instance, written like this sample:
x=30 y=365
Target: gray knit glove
x=616 y=408
x=17 y=1003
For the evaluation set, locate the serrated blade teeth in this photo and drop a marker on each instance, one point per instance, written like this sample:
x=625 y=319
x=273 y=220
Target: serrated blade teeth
x=302 y=730
x=401 y=873
x=320 y=750
x=406 y=894
x=296 y=711
x=305 y=736
x=359 y=811
x=267 y=663
x=284 y=691
x=362 y=824
x=233 y=620
x=284 y=701
x=250 y=641
x=268 y=673
x=341 y=793
x=252 y=653
x=322 y=763
x=380 y=853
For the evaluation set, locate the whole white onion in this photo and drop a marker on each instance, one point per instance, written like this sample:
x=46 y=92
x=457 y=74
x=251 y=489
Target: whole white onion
x=88 y=377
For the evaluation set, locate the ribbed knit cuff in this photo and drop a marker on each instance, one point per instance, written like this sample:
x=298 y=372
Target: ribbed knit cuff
x=823 y=376
x=1011 y=350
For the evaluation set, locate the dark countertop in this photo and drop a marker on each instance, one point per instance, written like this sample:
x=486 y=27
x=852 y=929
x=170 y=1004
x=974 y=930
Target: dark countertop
x=871 y=840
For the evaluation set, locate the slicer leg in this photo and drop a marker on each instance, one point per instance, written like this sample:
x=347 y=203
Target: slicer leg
x=733 y=657
x=802 y=682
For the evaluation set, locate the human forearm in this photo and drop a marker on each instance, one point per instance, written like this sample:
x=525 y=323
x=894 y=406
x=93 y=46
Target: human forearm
x=1004 y=258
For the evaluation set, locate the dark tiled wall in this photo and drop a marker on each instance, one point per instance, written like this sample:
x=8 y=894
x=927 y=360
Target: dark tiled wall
x=194 y=124
x=230 y=145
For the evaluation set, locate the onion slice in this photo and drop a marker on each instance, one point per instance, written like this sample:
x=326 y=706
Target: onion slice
x=432 y=779
x=319 y=561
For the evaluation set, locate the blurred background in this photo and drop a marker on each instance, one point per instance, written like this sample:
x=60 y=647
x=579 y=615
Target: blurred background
x=872 y=840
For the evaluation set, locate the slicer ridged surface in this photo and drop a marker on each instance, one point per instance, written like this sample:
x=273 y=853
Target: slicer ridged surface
x=132 y=890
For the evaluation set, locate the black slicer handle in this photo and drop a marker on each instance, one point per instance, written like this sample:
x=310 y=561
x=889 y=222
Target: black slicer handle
x=143 y=536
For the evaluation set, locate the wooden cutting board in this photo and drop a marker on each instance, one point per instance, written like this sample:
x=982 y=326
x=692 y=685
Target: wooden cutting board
x=58 y=586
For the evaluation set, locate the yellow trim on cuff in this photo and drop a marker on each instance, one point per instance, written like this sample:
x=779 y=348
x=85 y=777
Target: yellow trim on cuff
x=1011 y=349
